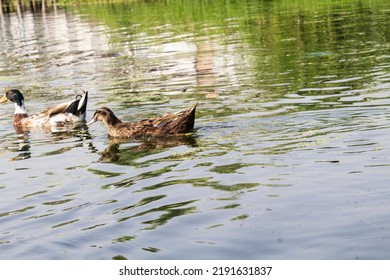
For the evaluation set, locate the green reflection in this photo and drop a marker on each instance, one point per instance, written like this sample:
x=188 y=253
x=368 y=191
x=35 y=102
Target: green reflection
x=119 y=257
x=132 y=180
x=57 y=202
x=202 y=182
x=17 y=211
x=124 y=238
x=259 y=51
x=104 y=174
x=229 y=168
x=169 y=212
x=65 y=223
x=289 y=43
x=241 y=217
x=143 y=201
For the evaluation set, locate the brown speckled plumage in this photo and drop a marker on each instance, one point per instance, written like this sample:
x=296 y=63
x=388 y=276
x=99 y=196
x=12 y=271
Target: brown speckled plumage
x=170 y=124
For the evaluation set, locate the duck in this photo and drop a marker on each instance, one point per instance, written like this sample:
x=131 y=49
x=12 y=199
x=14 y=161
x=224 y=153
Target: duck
x=170 y=124
x=59 y=115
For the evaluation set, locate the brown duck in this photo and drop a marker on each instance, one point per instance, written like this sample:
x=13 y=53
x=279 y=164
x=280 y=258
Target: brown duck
x=171 y=124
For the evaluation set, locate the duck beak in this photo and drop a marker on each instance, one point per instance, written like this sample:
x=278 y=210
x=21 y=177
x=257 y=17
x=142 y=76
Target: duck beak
x=91 y=122
x=3 y=99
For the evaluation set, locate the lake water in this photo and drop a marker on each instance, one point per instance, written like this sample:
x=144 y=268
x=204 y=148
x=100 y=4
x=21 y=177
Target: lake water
x=290 y=158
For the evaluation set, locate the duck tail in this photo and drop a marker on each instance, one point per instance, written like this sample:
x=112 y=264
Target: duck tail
x=191 y=120
x=82 y=105
x=188 y=117
x=79 y=106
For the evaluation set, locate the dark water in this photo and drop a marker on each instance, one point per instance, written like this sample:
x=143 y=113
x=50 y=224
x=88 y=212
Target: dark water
x=291 y=152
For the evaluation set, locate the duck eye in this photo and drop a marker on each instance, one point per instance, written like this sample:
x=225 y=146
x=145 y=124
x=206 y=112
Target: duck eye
x=102 y=113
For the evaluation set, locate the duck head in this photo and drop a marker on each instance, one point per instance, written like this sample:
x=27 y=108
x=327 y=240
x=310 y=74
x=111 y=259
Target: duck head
x=104 y=115
x=16 y=97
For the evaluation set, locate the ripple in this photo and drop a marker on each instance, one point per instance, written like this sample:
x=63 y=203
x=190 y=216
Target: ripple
x=65 y=223
x=323 y=89
x=17 y=211
x=342 y=81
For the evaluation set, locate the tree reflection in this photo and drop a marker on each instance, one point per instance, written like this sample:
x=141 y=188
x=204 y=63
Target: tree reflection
x=205 y=67
x=20 y=6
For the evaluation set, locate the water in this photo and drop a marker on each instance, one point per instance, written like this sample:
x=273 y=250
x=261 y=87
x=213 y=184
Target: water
x=291 y=150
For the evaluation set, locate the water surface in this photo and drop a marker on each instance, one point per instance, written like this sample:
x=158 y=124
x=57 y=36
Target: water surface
x=290 y=154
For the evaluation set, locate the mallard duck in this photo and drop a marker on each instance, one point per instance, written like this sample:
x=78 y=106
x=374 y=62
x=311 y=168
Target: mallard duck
x=170 y=124
x=59 y=115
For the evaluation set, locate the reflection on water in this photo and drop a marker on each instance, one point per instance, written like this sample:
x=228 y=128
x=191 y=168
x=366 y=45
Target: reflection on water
x=290 y=150
x=140 y=148
x=22 y=143
x=204 y=67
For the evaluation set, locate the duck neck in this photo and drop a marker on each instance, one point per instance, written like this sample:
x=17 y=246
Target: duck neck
x=19 y=109
x=112 y=121
x=20 y=114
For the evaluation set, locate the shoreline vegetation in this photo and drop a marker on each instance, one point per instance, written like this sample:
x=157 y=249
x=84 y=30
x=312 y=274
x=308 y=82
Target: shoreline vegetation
x=42 y=5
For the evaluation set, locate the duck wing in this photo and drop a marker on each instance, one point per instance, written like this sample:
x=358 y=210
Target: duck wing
x=67 y=112
x=76 y=107
x=54 y=110
x=171 y=123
